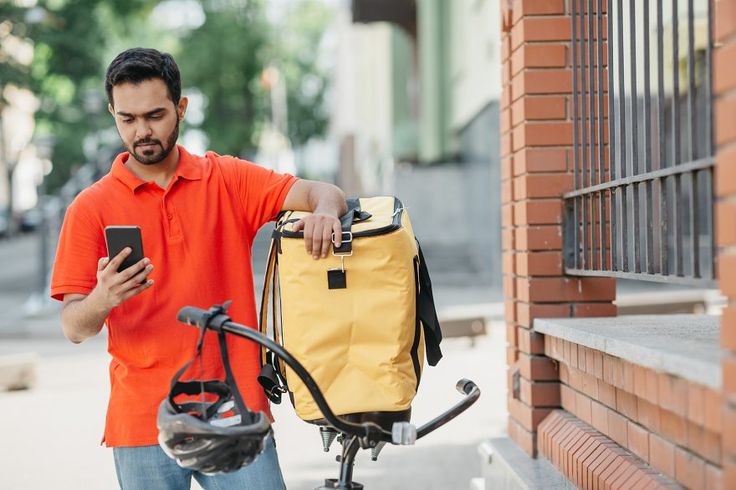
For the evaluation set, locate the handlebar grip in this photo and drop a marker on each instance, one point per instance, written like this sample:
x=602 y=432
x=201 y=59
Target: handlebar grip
x=192 y=316
x=465 y=386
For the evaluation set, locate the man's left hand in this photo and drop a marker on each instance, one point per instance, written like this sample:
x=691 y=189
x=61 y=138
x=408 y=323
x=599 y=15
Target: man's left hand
x=318 y=229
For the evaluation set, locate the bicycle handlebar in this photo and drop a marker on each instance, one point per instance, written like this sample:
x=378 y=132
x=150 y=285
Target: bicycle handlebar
x=368 y=432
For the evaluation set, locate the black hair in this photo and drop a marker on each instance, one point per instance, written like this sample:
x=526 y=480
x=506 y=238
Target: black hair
x=137 y=65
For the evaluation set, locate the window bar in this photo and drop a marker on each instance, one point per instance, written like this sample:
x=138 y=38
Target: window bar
x=611 y=134
x=622 y=132
x=576 y=161
x=601 y=160
x=583 y=124
x=591 y=100
x=694 y=231
x=634 y=136
x=663 y=209
x=649 y=258
x=677 y=196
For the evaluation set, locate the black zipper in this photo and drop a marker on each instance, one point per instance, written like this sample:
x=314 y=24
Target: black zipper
x=395 y=225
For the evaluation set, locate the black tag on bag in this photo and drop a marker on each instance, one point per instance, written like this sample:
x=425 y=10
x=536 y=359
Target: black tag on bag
x=336 y=279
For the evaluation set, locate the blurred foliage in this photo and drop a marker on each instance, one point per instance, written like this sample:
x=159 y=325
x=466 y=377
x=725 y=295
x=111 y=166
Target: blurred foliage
x=74 y=40
x=225 y=58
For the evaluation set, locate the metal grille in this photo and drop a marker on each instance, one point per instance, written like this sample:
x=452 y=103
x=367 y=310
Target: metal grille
x=648 y=215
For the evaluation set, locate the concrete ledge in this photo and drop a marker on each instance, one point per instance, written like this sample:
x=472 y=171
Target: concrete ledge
x=18 y=371
x=686 y=346
x=506 y=467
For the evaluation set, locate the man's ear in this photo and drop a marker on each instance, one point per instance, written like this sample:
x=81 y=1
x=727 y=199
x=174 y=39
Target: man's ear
x=111 y=109
x=182 y=107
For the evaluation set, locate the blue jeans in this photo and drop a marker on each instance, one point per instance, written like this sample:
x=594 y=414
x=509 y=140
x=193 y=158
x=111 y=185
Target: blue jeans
x=149 y=468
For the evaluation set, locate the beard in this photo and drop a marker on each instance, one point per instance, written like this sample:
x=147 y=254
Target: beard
x=154 y=152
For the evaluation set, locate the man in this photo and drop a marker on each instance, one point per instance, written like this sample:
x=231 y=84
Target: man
x=198 y=217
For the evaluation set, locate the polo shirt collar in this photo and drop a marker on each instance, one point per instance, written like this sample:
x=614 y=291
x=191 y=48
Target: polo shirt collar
x=189 y=167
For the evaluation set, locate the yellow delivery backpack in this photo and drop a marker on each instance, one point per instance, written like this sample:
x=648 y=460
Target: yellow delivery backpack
x=359 y=321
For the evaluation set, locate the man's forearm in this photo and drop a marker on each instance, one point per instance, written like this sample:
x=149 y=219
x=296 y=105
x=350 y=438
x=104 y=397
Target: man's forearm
x=327 y=198
x=83 y=318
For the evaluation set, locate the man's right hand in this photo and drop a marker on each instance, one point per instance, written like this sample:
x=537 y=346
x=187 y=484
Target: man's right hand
x=113 y=287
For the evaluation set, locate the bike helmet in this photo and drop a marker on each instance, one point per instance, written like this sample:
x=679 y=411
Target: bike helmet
x=217 y=433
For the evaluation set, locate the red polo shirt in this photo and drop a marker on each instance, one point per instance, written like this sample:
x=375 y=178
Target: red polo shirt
x=198 y=234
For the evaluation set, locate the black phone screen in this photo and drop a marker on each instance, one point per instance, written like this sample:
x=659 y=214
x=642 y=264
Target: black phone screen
x=119 y=237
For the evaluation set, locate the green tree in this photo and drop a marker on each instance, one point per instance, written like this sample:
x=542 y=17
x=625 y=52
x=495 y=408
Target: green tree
x=225 y=59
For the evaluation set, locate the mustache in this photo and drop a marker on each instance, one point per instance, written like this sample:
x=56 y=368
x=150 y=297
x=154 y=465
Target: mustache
x=147 y=142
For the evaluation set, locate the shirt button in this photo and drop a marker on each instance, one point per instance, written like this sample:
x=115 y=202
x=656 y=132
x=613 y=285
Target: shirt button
x=170 y=216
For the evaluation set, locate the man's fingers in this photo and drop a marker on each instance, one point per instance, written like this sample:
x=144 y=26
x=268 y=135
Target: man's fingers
x=298 y=225
x=136 y=290
x=308 y=230
x=102 y=263
x=118 y=259
x=337 y=230
x=326 y=240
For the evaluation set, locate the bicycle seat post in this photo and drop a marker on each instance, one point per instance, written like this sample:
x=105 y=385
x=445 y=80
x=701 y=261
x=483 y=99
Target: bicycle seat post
x=350 y=446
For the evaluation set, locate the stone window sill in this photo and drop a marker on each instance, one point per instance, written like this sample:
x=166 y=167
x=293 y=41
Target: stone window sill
x=686 y=346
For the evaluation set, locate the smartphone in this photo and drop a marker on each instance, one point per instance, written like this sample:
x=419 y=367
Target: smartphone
x=119 y=237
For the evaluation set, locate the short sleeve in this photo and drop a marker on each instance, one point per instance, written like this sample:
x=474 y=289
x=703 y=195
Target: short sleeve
x=262 y=191
x=81 y=244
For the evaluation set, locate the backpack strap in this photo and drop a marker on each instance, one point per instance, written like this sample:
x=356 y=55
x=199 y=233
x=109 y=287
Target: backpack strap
x=427 y=313
x=271 y=378
x=353 y=215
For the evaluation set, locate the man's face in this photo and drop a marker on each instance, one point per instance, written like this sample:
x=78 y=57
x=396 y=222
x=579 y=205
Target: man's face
x=147 y=119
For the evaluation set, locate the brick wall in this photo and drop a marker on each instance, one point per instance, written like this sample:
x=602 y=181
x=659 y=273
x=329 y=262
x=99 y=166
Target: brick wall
x=670 y=424
x=724 y=88
x=536 y=169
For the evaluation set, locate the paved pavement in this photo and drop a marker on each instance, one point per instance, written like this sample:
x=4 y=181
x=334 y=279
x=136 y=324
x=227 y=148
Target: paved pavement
x=51 y=433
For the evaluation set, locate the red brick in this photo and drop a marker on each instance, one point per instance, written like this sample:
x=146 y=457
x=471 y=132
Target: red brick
x=724 y=125
x=522 y=437
x=535 y=186
x=565 y=289
x=590 y=385
x=599 y=416
x=543 y=134
x=725 y=20
x=727 y=276
x=672 y=393
x=724 y=213
x=713 y=478
x=583 y=408
x=537 y=368
x=725 y=173
x=541 y=29
x=648 y=415
x=662 y=455
x=689 y=469
x=728 y=323
x=538 y=56
x=527 y=8
x=527 y=312
x=673 y=427
x=543 y=82
x=538 y=238
x=567 y=398
x=696 y=404
x=652 y=393
x=713 y=411
x=538 y=108
x=532 y=160
x=528 y=417
x=704 y=443
x=538 y=212
x=729 y=435
x=540 y=393
x=594 y=309
x=640 y=381
x=617 y=428
x=606 y=394
x=724 y=58
x=638 y=440
x=539 y=264
x=626 y=404
x=530 y=342
x=628 y=376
